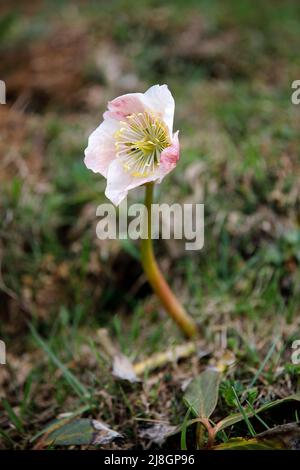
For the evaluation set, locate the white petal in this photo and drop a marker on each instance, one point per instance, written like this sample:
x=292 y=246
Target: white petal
x=160 y=100
x=119 y=182
x=101 y=147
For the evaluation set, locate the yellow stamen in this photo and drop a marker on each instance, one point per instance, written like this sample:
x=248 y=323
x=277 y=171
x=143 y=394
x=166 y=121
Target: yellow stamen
x=139 y=143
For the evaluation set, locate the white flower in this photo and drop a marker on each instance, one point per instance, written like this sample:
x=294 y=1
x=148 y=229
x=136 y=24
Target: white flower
x=135 y=143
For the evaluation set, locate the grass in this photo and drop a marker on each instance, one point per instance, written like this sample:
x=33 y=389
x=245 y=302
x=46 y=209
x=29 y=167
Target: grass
x=230 y=67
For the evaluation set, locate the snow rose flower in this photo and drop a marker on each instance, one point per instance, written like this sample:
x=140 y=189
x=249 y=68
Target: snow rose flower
x=135 y=143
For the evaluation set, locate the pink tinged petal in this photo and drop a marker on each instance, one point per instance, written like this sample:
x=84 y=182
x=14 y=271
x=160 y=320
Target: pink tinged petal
x=157 y=99
x=125 y=105
x=160 y=100
x=101 y=147
x=170 y=155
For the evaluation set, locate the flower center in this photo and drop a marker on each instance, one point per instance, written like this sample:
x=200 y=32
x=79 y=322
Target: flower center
x=139 y=143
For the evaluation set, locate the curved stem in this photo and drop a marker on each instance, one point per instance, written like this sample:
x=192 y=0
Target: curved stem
x=157 y=280
x=211 y=432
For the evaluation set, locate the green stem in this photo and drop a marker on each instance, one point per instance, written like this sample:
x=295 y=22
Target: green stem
x=157 y=280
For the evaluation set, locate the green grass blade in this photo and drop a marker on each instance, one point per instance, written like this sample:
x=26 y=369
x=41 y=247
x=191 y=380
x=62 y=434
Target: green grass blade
x=78 y=388
x=183 y=444
x=244 y=414
x=263 y=364
x=12 y=416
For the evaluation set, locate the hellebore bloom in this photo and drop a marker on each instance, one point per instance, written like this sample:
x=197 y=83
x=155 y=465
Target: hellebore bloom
x=135 y=143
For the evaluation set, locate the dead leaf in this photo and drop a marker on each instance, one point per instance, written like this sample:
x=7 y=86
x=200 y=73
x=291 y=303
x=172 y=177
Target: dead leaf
x=287 y=434
x=123 y=369
x=158 y=433
x=121 y=365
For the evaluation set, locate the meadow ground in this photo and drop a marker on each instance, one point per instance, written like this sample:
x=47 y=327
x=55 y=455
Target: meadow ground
x=230 y=66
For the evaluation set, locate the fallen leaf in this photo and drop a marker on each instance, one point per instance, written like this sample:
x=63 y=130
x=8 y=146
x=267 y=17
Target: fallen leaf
x=287 y=434
x=158 y=433
x=123 y=369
